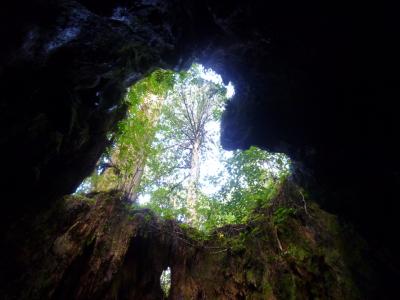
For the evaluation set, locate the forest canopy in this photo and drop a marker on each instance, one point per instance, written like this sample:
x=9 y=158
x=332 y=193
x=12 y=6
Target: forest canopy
x=166 y=154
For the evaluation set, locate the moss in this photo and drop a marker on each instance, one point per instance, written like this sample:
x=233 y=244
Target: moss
x=236 y=261
x=236 y=244
x=299 y=253
x=267 y=290
x=193 y=234
x=80 y=198
x=287 y=287
x=251 y=277
x=282 y=214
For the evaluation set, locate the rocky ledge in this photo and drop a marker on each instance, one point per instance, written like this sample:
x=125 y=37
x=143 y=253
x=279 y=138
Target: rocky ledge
x=98 y=247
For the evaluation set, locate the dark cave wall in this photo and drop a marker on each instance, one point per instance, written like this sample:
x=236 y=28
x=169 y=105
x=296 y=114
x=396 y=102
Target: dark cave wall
x=64 y=72
x=325 y=94
x=86 y=248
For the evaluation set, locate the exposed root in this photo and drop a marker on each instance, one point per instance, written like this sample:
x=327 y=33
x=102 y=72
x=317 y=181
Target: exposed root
x=305 y=203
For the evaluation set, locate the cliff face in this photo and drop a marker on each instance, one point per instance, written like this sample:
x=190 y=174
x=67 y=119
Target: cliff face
x=98 y=248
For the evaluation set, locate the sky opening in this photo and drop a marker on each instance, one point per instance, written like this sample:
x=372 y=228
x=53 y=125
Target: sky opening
x=167 y=155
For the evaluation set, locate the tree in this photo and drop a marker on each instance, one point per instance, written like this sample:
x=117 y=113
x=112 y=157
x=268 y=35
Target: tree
x=182 y=137
x=160 y=147
x=251 y=178
x=121 y=167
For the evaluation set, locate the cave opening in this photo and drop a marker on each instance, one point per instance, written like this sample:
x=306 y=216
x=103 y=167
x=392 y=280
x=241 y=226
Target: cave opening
x=314 y=81
x=165 y=282
x=167 y=156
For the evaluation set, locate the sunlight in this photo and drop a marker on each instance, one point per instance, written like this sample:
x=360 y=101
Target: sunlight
x=230 y=90
x=213 y=160
x=165 y=281
x=215 y=164
x=167 y=154
x=211 y=75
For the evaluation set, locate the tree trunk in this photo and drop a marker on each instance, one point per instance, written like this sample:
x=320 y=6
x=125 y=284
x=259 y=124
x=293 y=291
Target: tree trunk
x=152 y=108
x=131 y=189
x=193 y=181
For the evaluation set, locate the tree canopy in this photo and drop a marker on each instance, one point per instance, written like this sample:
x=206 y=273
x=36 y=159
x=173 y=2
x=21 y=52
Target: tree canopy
x=166 y=154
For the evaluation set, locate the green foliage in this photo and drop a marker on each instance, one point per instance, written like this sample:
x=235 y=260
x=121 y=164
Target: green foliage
x=254 y=177
x=152 y=153
x=251 y=177
x=137 y=131
x=171 y=167
x=194 y=234
x=158 y=83
x=281 y=214
x=132 y=141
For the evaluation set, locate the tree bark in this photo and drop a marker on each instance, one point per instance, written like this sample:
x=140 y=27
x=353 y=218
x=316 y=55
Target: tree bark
x=191 y=199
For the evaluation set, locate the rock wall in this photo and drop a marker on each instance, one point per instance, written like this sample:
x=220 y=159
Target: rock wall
x=64 y=72
x=97 y=247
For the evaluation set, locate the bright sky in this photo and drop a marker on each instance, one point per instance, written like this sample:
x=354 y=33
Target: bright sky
x=212 y=160
x=211 y=163
x=209 y=74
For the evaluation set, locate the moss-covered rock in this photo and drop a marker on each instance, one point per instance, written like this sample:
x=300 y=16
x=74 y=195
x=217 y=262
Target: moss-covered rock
x=306 y=254
x=99 y=247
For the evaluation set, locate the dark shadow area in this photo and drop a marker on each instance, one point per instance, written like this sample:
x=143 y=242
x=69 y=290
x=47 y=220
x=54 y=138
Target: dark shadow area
x=69 y=287
x=139 y=276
